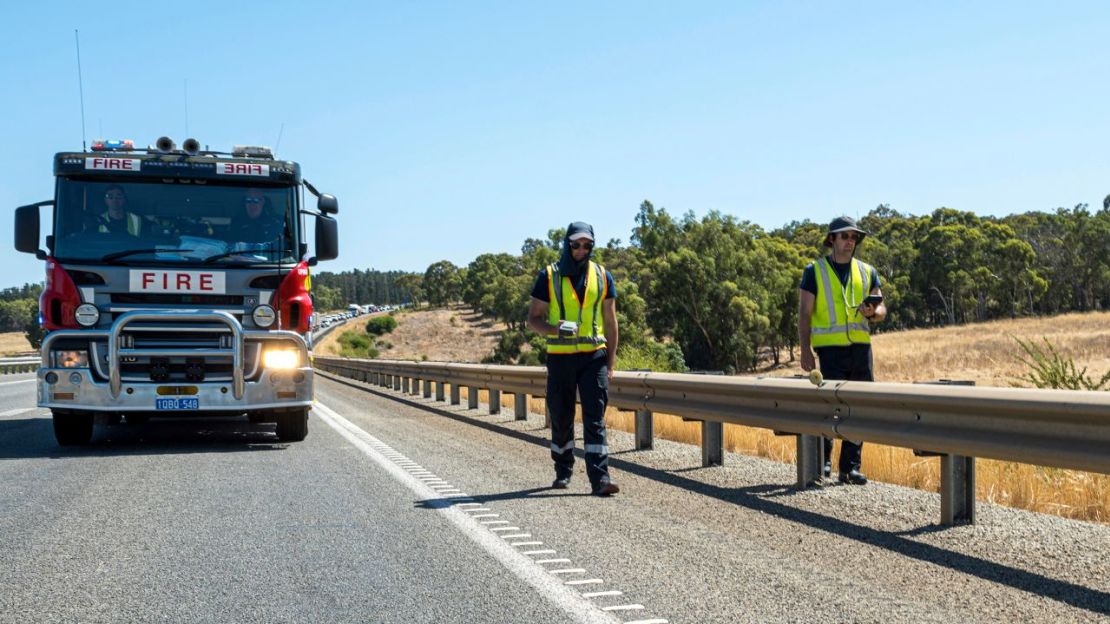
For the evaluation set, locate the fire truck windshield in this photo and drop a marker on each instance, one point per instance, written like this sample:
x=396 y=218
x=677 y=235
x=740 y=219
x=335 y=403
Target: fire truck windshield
x=176 y=222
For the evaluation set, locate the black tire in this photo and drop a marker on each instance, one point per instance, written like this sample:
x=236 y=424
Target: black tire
x=292 y=426
x=73 y=428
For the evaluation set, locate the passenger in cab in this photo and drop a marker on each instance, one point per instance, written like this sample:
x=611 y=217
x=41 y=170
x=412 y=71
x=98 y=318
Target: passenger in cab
x=116 y=218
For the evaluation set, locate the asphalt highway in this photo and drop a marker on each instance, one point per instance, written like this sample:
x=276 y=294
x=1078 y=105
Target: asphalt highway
x=401 y=509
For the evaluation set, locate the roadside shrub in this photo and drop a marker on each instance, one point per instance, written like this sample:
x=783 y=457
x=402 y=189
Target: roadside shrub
x=654 y=356
x=1048 y=368
x=355 y=345
x=380 y=325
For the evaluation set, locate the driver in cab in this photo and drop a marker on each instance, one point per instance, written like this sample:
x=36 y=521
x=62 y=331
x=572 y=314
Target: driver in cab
x=254 y=223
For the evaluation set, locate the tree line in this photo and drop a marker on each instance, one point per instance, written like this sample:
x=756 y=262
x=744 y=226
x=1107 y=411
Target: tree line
x=718 y=293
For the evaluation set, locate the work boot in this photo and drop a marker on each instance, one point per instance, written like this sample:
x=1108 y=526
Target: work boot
x=560 y=483
x=827 y=471
x=607 y=488
x=853 y=477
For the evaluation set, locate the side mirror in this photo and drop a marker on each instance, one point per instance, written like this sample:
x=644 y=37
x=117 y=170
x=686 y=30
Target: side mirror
x=27 y=229
x=327 y=238
x=327 y=204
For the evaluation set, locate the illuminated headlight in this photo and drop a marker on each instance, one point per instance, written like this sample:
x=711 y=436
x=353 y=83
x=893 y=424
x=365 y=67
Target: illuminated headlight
x=263 y=316
x=281 y=359
x=87 y=315
x=70 y=359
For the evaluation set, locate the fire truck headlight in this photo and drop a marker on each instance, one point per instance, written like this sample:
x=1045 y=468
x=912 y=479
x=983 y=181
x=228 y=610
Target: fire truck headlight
x=263 y=316
x=70 y=359
x=281 y=359
x=87 y=315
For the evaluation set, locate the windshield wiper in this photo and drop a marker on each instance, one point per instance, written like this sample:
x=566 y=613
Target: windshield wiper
x=212 y=259
x=131 y=252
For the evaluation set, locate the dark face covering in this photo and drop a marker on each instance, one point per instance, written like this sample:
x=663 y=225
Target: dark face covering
x=567 y=264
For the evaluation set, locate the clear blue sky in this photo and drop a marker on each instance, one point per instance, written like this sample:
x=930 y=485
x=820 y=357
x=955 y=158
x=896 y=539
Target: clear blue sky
x=448 y=129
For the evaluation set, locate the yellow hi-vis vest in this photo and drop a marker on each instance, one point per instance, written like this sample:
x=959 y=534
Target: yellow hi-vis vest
x=565 y=306
x=134 y=223
x=836 y=322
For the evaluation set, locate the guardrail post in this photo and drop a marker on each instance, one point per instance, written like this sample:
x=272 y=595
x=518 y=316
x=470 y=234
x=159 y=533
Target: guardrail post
x=405 y=385
x=520 y=407
x=427 y=388
x=494 y=401
x=811 y=451
x=957 y=490
x=440 y=390
x=645 y=430
x=471 y=397
x=957 y=477
x=456 y=397
x=712 y=443
x=415 y=385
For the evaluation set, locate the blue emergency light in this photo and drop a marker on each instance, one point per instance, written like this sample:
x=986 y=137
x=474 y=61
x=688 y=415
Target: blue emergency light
x=114 y=145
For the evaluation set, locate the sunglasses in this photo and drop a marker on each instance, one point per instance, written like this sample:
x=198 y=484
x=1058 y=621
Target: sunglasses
x=253 y=200
x=577 y=245
x=848 y=236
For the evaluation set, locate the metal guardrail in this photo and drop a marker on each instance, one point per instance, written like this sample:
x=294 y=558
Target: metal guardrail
x=11 y=365
x=1056 y=428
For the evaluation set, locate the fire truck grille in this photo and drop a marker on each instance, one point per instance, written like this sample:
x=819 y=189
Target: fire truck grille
x=157 y=337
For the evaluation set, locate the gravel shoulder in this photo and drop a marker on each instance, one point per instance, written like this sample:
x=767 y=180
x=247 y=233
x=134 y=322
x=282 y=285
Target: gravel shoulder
x=740 y=543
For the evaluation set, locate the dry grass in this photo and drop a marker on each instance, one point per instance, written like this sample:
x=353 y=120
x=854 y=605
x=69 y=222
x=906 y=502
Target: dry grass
x=985 y=353
x=14 y=343
x=452 y=334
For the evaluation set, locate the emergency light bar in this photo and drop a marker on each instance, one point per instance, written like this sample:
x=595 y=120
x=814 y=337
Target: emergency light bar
x=114 y=145
x=252 y=151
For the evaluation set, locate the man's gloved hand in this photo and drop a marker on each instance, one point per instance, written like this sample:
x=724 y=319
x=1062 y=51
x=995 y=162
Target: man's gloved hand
x=568 y=328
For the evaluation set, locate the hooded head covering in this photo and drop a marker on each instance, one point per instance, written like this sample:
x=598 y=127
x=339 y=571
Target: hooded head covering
x=575 y=231
x=844 y=224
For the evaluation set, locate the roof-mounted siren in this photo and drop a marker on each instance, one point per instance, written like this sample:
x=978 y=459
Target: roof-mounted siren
x=191 y=146
x=165 y=145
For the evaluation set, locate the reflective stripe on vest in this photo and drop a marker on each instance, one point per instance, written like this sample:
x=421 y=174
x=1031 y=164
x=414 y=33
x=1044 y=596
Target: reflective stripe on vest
x=134 y=223
x=565 y=306
x=836 y=321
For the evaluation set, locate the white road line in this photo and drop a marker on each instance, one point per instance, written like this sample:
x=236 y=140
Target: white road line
x=584 y=582
x=518 y=544
x=468 y=505
x=546 y=551
x=610 y=592
x=489 y=515
x=493 y=522
x=655 y=621
x=505 y=529
x=516 y=536
x=475 y=508
x=553 y=561
x=569 y=571
x=565 y=598
x=9 y=383
x=627 y=607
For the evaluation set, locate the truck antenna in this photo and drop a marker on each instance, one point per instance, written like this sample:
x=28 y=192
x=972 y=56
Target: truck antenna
x=80 y=87
x=187 y=107
x=277 y=143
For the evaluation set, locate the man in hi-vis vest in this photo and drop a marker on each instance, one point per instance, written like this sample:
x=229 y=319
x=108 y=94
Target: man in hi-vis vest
x=574 y=306
x=839 y=300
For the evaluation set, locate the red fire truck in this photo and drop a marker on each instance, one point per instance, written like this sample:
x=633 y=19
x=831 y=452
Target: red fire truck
x=177 y=283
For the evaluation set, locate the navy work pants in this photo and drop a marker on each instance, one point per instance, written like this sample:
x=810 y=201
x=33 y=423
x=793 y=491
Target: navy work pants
x=587 y=375
x=851 y=363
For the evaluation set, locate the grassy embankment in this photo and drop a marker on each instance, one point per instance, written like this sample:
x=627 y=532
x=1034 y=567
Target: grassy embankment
x=985 y=353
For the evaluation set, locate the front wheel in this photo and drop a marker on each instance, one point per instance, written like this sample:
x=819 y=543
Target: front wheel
x=73 y=428
x=292 y=426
